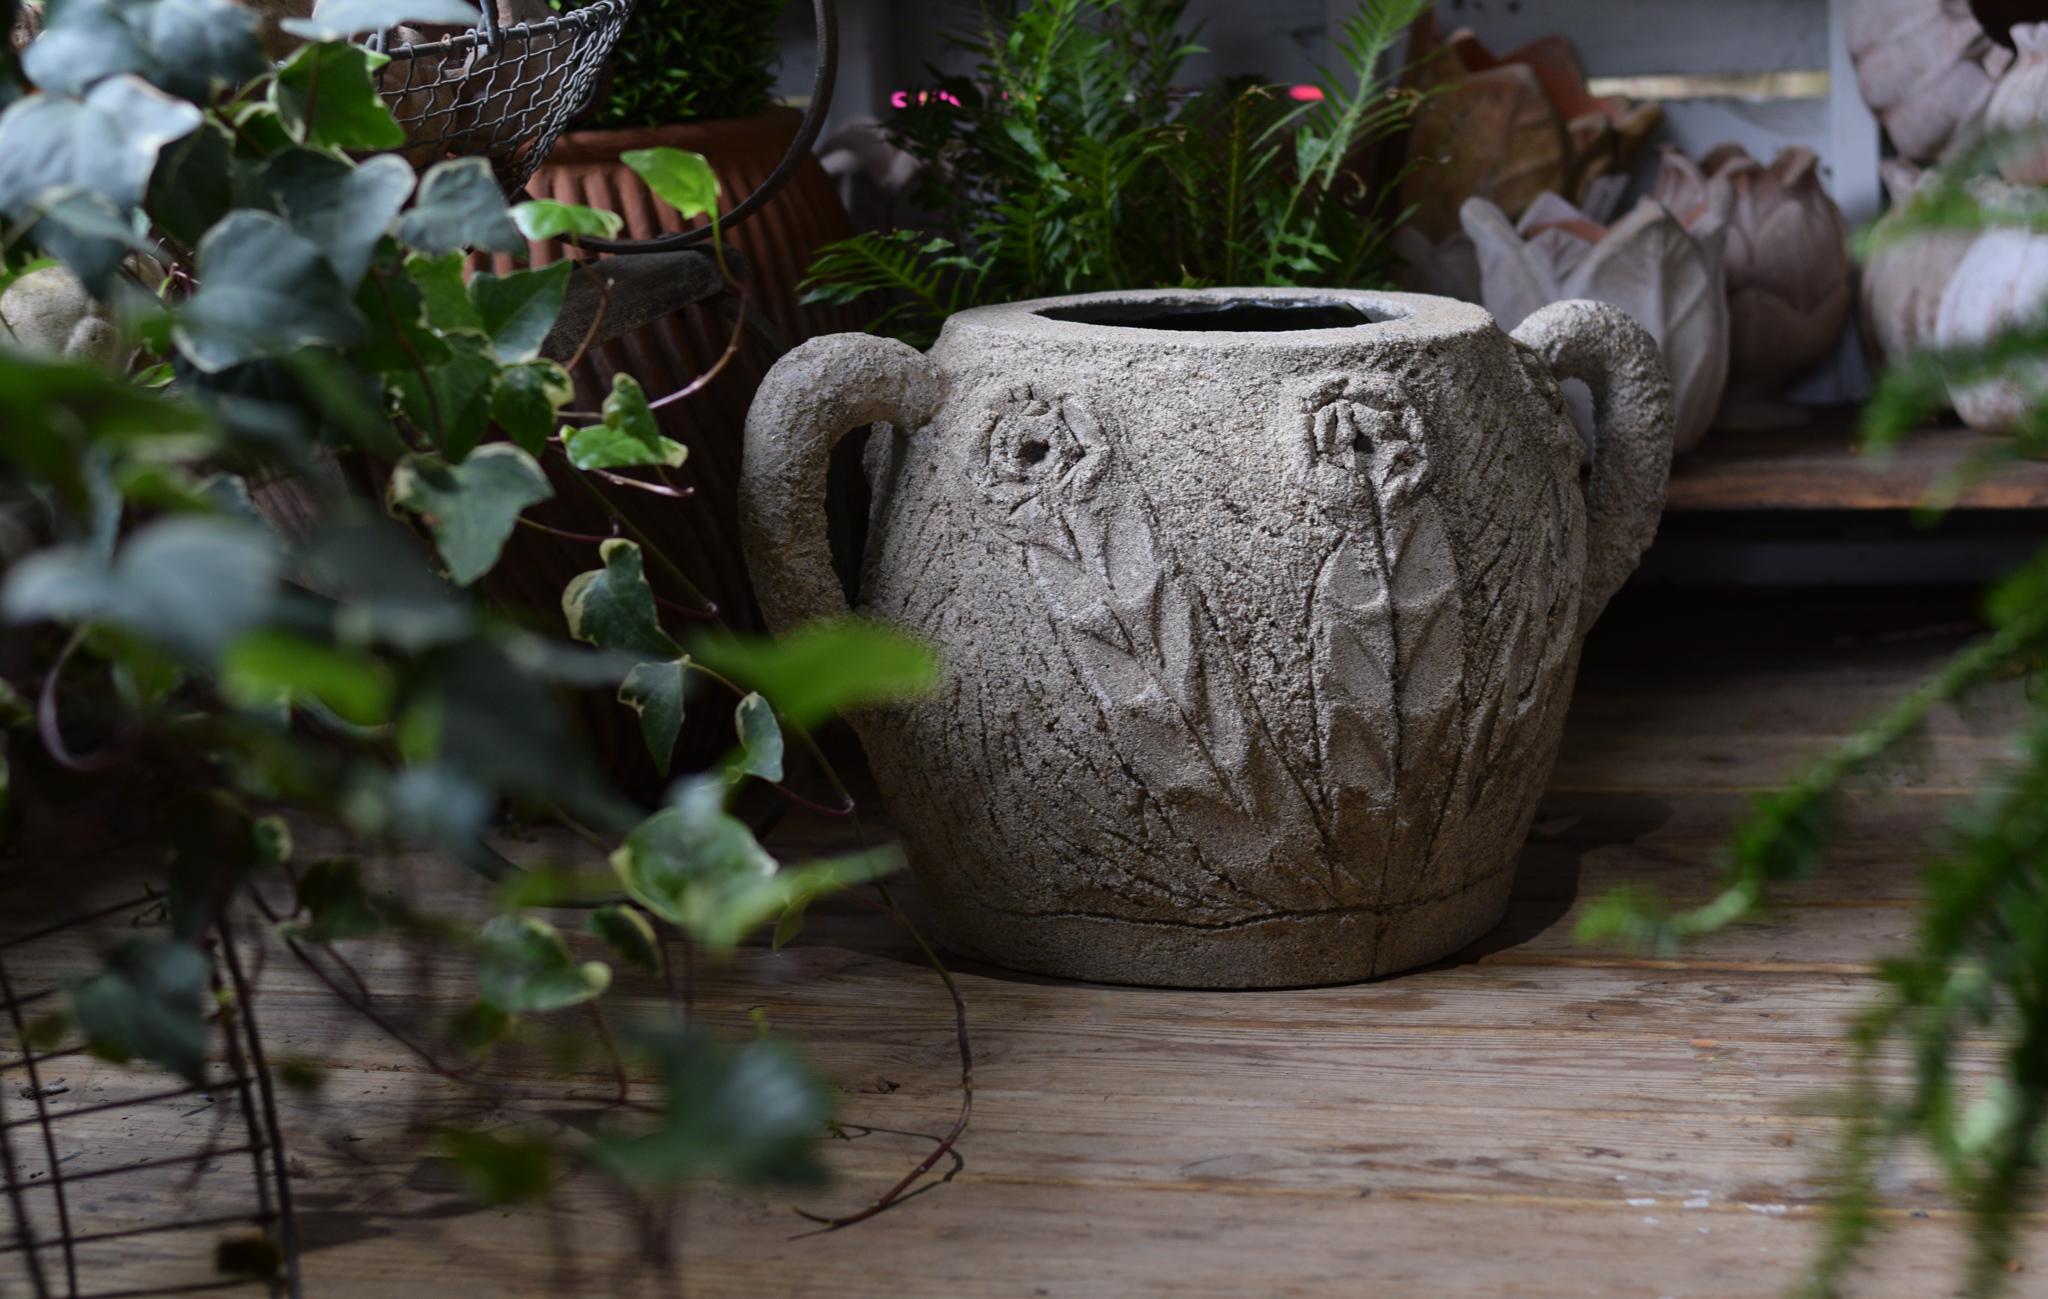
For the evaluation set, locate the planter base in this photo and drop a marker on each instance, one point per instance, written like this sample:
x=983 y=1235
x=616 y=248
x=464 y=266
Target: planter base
x=1344 y=946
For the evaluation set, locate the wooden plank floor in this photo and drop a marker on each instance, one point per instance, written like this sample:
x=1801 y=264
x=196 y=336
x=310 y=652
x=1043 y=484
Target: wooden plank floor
x=1527 y=1118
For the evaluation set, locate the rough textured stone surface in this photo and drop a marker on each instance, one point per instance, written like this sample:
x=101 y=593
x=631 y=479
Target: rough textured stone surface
x=1258 y=644
x=49 y=311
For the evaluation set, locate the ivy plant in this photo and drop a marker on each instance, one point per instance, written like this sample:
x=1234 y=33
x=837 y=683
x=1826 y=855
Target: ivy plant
x=294 y=319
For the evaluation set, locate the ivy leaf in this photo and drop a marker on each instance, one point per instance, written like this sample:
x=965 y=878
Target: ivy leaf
x=334 y=19
x=198 y=180
x=524 y=966
x=826 y=667
x=459 y=411
x=628 y=437
x=747 y=1114
x=679 y=178
x=190 y=584
x=344 y=209
x=479 y=1027
x=191 y=48
x=527 y=401
x=541 y=219
x=89 y=234
x=199 y=47
x=517 y=310
x=471 y=507
x=459 y=206
x=760 y=739
x=700 y=868
x=337 y=905
x=148 y=1004
x=324 y=95
x=628 y=934
x=106 y=143
x=401 y=344
x=613 y=607
x=264 y=290
x=270 y=665
x=654 y=691
x=443 y=288
x=500 y=1170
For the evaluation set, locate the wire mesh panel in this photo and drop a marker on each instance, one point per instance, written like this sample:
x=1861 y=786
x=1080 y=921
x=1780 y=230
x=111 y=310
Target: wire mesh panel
x=502 y=93
x=124 y=1182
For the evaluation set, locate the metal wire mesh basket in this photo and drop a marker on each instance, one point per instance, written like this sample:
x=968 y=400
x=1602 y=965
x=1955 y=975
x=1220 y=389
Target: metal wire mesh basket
x=123 y=1183
x=502 y=92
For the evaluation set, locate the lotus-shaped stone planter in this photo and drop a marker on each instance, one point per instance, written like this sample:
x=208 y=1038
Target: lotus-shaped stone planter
x=1926 y=69
x=1664 y=275
x=1785 y=255
x=1905 y=276
x=2017 y=116
x=2000 y=284
x=1259 y=610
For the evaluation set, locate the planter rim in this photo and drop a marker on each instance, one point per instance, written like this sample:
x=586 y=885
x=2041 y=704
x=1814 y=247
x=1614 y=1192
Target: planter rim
x=771 y=129
x=1406 y=319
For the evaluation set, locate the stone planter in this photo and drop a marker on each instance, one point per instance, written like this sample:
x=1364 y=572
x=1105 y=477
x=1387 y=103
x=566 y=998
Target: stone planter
x=1260 y=610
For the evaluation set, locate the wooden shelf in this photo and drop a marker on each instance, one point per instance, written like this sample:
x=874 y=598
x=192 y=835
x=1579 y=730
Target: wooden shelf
x=1819 y=468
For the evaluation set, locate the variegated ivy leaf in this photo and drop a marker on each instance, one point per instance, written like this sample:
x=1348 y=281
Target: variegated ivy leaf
x=524 y=966
x=654 y=691
x=471 y=508
x=679 y=178
x=459 y=206
x=628 y=436
x=527 y=401
x=542 y=219
x=613 y=608
x=446 y=296
x=518 y=309
x=628 y=934
x=698 y=867
x=760 y=739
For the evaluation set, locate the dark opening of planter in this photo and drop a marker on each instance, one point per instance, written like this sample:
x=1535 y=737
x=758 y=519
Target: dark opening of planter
x=1237 y=315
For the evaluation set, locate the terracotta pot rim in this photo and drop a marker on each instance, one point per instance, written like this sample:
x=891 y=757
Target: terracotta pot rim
x=772 y=128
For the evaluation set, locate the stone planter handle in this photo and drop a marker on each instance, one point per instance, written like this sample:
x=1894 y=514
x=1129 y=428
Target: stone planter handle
x=812 y=397
x=1602 y=347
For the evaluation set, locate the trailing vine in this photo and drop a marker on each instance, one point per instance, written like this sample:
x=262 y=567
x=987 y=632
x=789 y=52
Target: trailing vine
x=245 y=496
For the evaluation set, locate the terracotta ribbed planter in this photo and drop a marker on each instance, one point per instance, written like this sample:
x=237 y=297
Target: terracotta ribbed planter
x=699 y=534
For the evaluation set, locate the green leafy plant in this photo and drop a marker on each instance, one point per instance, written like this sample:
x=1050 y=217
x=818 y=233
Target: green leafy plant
x=1068 y=163
x=1979 y=963
x=292 y=320
x=687 y=60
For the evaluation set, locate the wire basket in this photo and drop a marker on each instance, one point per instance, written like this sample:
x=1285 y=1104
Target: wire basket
x=498 y=92
x=129 y=1183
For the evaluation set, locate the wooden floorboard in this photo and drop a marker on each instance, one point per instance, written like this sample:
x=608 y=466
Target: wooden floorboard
x=1530 y=1117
